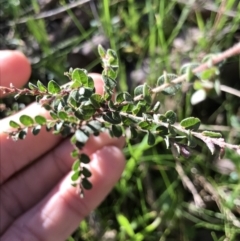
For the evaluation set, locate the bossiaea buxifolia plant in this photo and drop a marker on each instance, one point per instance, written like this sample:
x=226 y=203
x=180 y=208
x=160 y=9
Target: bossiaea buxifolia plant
x=76 y=110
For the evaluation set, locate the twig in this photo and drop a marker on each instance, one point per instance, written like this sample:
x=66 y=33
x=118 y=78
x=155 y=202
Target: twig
x=188 y=183
x=230 y=90
x=215 y=141
x=235 y=50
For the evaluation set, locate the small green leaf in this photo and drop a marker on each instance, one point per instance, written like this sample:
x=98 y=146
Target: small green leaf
x=75 y=176
x=150 y=139
x=86 y=173
x=53 y=115
x=101 y=51
x=53 y=87
x=124 y=96
x=167 y=78
x=41 y=86
x=112 y=118
x=14 y=124
x=188 y=70
x=146 y=93
x=96 y=100
x=138 y=90
x=84 y=158
x=86 y=184
x=109 y=82
x=212 y=134
x=191 y=123
x=156 y=107
x=145 y=125
x=40 y=120
x=32 y=86
x=209 y=73
x=62 y=115
x=162 y=130
x=112 y=58
x=74 y=153
x=76 y=165
x=36 y=129
x=117 y=130
x=26 y=120
x=171 y=116
x=80 y=78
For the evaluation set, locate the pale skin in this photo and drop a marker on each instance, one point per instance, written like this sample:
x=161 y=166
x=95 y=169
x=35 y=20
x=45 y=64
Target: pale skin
x=38 y=202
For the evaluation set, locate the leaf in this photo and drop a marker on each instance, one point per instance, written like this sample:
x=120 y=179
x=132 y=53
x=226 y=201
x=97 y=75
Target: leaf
x=84 y=158
x=188 y=70
x=72 y=102
x=175 y=148
x=74 y=153
x=109 y=117
x=81 y=136
x=32 y=86
x=26 y=120
x=117 y=130
x=86 y=173
x=101 y=51
x=62 y=115
x=80 y=76
x=87 y=111
x=150 y=139
x=138 y=90
x=53 y=87
x=53 y=115
x=210 y=145
x=140 y=108
x=212 y=134
x=75 y=175
x=191 y=123
x=36 y=129
x=14 y=124
x=156 y=107
x=124 y=96
x=198 y=96
x=171 y=116
x=167 y=78
x=22 y=134
x=41 y=86
x=162 y=130
x=86 y=184
x=96 y=100
x=109 y=82
x=146 y=125
x=208 y=74
x=146 y=93
x=76 y=165
x=112 y=58
x=40 y=120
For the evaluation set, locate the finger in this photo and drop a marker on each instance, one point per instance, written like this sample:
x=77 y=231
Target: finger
x=59 y=214
x=39 y=178
x=33 y=146
x=14 y=68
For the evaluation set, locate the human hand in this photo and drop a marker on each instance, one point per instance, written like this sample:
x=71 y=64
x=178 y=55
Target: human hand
x=37 y=199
